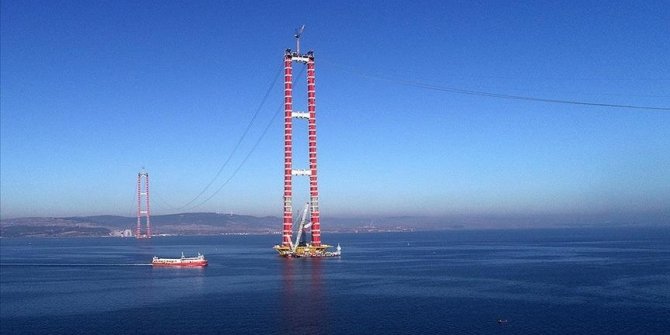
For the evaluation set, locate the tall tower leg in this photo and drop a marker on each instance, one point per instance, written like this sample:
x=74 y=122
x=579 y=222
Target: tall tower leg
x=138 y=229
x=288 y=149
x=313 y=184
x=147 y=206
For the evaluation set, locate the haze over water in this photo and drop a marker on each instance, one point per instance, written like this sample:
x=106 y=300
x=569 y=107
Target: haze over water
x=574 y=281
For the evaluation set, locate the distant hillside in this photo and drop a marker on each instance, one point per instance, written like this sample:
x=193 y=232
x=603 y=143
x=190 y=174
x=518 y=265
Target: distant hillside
x=48 y=227
x=216 y=224
x=170 y=223
x=180 y=224
x=105 y=225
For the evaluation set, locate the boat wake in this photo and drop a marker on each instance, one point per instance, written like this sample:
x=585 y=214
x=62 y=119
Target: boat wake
x=72 y=264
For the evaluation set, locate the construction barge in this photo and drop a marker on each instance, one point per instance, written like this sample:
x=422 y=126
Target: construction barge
x=300 y=248
x=308 y=250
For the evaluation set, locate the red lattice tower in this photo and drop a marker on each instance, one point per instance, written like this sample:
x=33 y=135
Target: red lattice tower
x=143 y=211
x=289 y=172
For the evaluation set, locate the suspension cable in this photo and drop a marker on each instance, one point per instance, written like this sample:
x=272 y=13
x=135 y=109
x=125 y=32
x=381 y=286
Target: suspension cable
x=455 y=90
x=258 y=141
x=237 y=145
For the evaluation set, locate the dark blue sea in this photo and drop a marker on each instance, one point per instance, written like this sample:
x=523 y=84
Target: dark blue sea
x=569 y=281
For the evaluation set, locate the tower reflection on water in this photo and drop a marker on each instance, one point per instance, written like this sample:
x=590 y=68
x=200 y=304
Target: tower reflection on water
x=304 y=301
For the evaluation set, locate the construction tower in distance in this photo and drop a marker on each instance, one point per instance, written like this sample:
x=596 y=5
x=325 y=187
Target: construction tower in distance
x=143 y=206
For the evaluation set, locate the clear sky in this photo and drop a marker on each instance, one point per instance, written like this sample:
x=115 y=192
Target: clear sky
x=92 y=91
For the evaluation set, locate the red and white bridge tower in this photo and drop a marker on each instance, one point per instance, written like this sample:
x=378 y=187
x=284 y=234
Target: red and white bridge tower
x=289 y=171
x=288 y=248
x=143 y=192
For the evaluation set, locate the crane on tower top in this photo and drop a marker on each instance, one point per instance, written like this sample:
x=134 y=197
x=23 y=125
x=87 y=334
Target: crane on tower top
x=298 y=33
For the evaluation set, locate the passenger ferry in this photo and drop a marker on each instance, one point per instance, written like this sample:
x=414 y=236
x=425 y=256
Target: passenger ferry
x=183 y=261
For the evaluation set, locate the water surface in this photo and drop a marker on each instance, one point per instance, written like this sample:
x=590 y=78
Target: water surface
x=576 y=281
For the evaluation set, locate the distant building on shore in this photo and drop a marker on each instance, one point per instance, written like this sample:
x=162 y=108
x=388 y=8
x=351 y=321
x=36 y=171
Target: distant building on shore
x=121 y=233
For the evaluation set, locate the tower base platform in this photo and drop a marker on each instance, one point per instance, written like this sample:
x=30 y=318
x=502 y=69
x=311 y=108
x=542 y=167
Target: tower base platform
x=308 y=250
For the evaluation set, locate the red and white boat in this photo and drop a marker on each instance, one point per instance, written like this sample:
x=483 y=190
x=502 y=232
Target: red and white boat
x=183 y=261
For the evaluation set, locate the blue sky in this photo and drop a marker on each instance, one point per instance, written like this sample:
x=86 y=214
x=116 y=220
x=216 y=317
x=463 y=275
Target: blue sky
x=92 y=91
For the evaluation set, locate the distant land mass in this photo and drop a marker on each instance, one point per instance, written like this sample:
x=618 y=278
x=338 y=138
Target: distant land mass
x=222 y=224
x=172 y=224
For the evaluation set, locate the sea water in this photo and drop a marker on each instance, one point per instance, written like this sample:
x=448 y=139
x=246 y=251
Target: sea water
x=554 y=281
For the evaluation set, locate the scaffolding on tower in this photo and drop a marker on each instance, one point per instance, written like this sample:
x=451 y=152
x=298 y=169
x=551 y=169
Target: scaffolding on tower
x=315 y=248
x=143 y=209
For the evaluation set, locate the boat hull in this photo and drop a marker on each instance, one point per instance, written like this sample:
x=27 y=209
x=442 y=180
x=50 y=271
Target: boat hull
x=198 y=261
x=181 y=264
